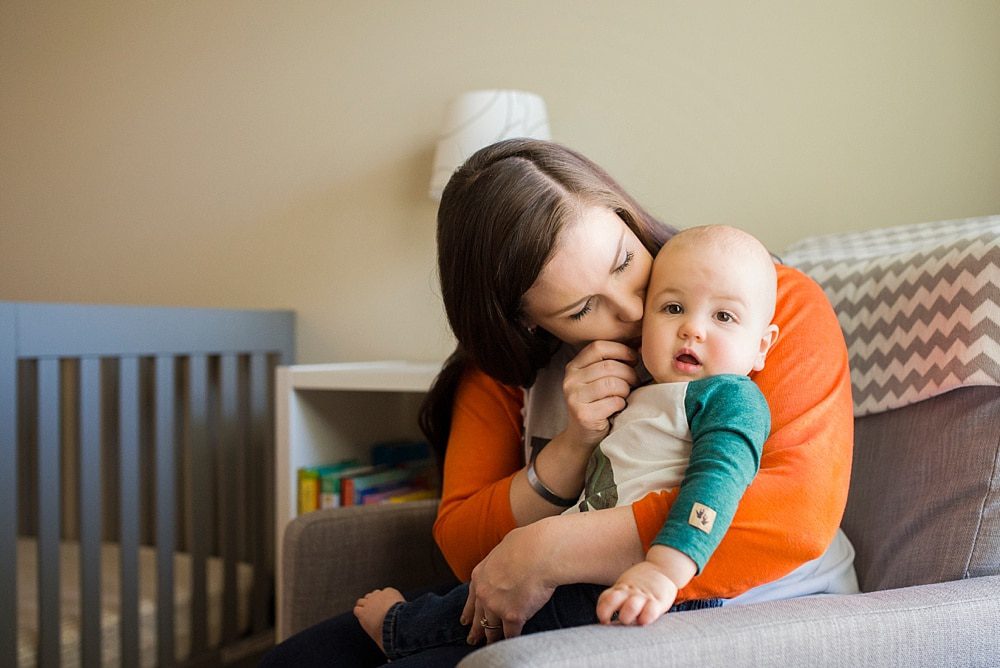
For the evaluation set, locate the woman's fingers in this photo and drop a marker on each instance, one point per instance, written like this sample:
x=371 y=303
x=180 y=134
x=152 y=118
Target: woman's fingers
x=604 y=350
x=596 y=384
x=592 y=373
x=470 y=616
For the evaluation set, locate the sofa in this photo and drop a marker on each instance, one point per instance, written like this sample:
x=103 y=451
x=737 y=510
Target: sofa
x=920 y=310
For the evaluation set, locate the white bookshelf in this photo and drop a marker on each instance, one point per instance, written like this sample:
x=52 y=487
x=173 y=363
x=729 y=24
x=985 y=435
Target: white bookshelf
x=327 y=412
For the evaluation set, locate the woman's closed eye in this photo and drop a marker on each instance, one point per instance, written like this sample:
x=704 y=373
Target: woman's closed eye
x=624 y=265
x=583 y=311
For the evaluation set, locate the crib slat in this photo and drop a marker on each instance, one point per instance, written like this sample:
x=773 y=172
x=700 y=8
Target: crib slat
x=128 y=480
x=200 y=497
x=165 y=507
x=90 y=512
x=8 y=486
x=228 y=448
x=259 y=481
x=49 y=521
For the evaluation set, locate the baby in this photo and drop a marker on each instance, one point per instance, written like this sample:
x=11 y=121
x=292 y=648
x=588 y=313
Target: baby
x=701 y=425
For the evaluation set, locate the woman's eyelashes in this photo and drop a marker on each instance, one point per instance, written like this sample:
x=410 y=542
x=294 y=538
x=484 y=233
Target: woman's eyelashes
x=624 y=265
x=582 y=312
x=629 y=255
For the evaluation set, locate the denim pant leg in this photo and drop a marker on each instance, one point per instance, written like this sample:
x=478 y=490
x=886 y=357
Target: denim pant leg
x=424 y=623
x=570 y=605
x=576 y=605
x=431 y=621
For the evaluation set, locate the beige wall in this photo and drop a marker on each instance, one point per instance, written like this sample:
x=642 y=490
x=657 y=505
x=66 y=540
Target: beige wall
x=252 y=154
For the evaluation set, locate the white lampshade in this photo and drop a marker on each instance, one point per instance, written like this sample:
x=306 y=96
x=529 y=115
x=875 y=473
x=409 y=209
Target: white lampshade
x=481 y=118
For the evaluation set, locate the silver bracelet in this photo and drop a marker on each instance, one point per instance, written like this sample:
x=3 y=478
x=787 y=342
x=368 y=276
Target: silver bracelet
x=542 y=490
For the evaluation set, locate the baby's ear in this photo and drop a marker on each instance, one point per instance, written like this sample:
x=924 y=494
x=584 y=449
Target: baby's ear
x=766 y=341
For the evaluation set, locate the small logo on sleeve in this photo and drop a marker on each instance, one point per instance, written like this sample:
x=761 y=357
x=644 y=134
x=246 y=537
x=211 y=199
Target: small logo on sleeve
x=702 y=517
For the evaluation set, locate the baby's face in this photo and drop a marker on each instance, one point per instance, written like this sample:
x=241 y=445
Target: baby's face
x=707 y=313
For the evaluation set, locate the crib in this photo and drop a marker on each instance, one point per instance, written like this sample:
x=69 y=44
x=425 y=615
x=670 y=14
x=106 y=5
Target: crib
x=136 y=483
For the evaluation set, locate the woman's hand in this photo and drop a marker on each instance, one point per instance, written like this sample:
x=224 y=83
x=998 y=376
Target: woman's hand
x=507 y=587
x=595 y=386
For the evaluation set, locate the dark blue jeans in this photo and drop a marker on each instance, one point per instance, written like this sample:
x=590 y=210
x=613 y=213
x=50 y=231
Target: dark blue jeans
x=431 y=621
x=425 y=631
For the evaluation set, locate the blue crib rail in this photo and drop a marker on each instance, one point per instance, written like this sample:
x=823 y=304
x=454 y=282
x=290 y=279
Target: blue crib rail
x=193 y=380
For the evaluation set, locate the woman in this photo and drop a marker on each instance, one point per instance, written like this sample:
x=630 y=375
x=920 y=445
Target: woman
x=544 y=261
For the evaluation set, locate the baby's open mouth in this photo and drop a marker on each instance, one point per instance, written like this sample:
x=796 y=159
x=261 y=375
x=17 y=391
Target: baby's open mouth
x=687 y=358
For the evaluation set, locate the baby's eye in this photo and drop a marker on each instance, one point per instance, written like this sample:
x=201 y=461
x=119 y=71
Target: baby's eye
x=724 y=316
x=673 y=308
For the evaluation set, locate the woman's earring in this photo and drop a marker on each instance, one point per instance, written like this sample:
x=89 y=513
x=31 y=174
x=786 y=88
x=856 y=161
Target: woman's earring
x=531 y=329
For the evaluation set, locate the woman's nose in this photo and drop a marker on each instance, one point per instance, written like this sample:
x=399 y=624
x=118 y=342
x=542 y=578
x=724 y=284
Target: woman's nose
x=630 y=307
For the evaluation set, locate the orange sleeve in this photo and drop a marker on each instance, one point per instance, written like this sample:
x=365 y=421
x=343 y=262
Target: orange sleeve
x=483 y=454
x=790 y=512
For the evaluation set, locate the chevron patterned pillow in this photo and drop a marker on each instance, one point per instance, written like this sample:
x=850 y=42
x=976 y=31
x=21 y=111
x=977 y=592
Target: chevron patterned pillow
x=919 y=306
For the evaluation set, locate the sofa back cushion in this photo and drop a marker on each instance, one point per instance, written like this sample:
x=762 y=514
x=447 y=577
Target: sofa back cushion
x=919 y=306
x=924 y=504
x=920 y=309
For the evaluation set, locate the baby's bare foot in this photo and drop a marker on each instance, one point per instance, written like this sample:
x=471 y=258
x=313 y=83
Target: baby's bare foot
x=370 y=610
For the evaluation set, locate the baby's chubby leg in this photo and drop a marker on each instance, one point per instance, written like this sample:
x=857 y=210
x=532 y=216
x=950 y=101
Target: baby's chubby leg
x=371 y=609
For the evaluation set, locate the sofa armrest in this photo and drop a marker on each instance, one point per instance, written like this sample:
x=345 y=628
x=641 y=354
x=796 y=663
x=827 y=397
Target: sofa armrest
x=331 y=557
x=946 y=624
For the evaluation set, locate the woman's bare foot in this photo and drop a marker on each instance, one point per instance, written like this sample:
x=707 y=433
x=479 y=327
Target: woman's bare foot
x=371 y=608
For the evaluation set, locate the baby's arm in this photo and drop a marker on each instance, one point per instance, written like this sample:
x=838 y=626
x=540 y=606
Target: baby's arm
x=648 y=589
x=729 y=423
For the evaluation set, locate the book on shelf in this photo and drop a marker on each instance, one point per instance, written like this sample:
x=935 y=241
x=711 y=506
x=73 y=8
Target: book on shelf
x=400 y=471
x=331 y=482
x=311 y=482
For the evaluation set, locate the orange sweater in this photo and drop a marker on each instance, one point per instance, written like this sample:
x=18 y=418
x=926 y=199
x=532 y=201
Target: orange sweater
x=787 y=516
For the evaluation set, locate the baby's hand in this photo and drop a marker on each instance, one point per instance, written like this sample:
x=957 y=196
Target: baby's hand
x=640 y=596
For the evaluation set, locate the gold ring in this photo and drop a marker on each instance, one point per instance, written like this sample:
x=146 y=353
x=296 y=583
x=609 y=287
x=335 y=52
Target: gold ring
x=489 y=627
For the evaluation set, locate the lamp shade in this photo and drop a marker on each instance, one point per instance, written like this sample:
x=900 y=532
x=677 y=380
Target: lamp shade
x=480 y=118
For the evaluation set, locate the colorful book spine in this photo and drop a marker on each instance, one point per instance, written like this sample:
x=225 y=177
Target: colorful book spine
x=400 y=470
x=308 y=490
x=311 y=483
x=331 y=483
x=353 y=488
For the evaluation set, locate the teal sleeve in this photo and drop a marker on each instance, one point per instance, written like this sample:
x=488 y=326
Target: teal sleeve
x=729 y=421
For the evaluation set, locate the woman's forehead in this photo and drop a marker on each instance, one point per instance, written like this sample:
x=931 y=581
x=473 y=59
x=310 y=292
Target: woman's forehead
x=587 y=251
x=595 y=233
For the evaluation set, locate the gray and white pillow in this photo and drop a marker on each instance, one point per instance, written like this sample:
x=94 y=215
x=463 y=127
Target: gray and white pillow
x=919 y=306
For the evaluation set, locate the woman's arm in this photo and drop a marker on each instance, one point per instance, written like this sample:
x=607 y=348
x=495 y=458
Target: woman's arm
x=792 y=509
x=486 y=492
x=483 y=454
x=517 y=578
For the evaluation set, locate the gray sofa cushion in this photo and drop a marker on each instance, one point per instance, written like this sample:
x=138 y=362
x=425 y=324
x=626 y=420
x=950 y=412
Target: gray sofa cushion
x=924 y=504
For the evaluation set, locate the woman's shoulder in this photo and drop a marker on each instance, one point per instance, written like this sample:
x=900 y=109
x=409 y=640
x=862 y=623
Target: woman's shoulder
x=477 y=388
x=800 y=300
x=792 y=281
x=809 y=333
